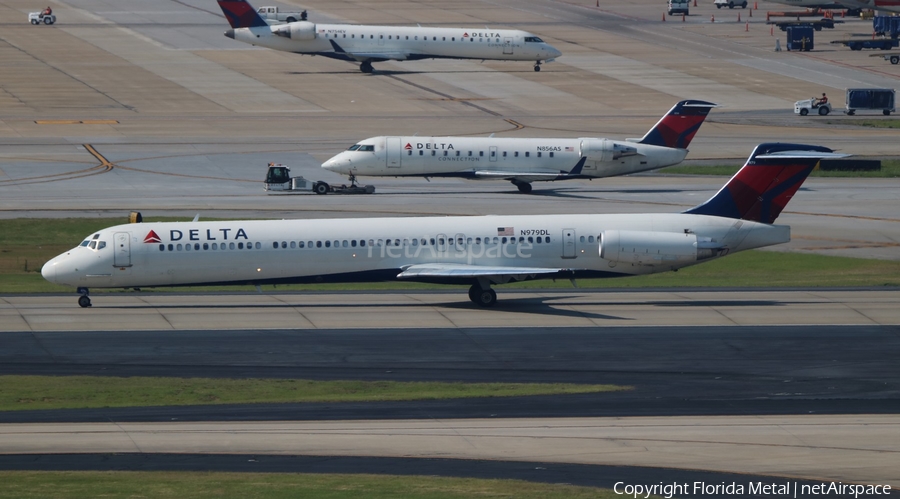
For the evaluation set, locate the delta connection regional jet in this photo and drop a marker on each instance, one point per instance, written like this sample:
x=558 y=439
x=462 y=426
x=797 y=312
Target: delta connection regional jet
x=523 y=161
x=479 y=251
x=368 y=44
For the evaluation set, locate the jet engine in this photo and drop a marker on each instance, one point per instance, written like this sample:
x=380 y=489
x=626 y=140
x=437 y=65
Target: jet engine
x=300 y=30
x=605 y=150
x=656 y=248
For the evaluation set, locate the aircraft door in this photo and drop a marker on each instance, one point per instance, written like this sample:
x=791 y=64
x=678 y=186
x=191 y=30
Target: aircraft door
x=122 y=250
x=568 y=250
x=507 y=46
x=381 y=39
x=393 y=152
x=493 y=153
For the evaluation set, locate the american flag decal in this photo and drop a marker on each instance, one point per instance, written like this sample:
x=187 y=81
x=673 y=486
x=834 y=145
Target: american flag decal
x=570 y=149
x=506 y=231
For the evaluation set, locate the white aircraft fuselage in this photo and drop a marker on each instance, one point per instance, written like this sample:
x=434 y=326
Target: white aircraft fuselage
x=495 y=157
x=378 y=249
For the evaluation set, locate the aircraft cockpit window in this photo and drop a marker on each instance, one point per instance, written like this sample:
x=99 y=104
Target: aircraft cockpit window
x=533 y=39
x=353 y=147
x=96 y=236
x=85 y=242
x=101 y=245
x=366 y=148
x=93 y=245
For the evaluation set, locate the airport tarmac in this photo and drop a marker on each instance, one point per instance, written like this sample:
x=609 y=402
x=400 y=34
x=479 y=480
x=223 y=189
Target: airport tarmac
x=134 y=105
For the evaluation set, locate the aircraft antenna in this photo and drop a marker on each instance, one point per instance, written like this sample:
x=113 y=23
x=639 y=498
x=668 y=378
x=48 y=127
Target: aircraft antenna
x=196 y=217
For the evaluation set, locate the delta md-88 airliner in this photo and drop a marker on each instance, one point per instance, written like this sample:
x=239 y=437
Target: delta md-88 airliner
x=368 y=44
x=526 y=160
x=479 y=251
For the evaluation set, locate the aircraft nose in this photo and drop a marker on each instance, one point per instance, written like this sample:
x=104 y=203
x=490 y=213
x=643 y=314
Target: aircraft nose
x=336 y=164
x=49 y=271
x=553 y=52
x=230 y=33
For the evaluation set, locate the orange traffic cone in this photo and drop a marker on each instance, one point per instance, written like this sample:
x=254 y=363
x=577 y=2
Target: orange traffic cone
x=664 y=18
x=682 y=17
x=695 y=3
x=754 y=5
x=739 y=17
x=772 y=31
x=751 y=13
x=712 y=18
x=747 y=26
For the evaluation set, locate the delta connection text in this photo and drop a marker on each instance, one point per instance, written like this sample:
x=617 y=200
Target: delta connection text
x=777 y=489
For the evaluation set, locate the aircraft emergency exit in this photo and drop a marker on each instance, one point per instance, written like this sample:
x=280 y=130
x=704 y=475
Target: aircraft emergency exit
x=523 y=161
x=368 y=44
x=480 y=251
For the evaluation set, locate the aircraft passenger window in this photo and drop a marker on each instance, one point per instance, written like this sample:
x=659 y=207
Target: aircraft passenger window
x=493 y=153
x=539 y=154
x=530 y=239
x=407 y=37
x=318 y=244
x=230 y=246
x=371 y=242
x=406 y=242
x=162 y=247
x=441 y=241
x=345 y=35
x=434 y=38
x=443 y=38
x=471 y=39
x=417 y=37
x=527 y=154
x=362 y=242
x=187 y=247
x=283 y=244
x=521 y=239
x=453 y=39
x=409 y=152
x=205 y=246
x=470 y=153
x=460 y=240
x=300 y=244
x=215 y=246
x=446 y=153
x=477 y=240
x=381 y=242
x=345 y=244
x=469 y=240
x=381 y=37
x=171 y=247
x=327 y=244
x=353 y=147
x=516 y=154
x=93 y=245
x=504 y=154
x=457 y=153
x=434 y=153
x=275 y=244
x=293 y=245
x=352 y=36
x=415 y=242
x=481 y=153
x=497 y=240
x=581 y=239
x=450 y=241
x=421 y=153
x=371 y=37
x=503 y=240
x=387 y=242
x=258 y=246
x=353 y=243
x=197 y=246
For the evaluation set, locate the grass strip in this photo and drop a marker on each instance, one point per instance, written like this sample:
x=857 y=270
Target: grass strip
x=76 y=392
x=188 y=485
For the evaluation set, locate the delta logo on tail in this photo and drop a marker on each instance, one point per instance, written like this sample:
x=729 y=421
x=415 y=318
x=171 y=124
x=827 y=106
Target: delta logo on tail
x=151 y=237
x=677 y=128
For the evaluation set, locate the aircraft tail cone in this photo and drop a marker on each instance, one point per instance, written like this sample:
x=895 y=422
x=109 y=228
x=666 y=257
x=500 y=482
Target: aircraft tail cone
x=230 y=33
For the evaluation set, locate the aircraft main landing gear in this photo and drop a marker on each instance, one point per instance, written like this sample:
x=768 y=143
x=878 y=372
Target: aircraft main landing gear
x=84 y=301
x=366 y=67
x=524 y=187
x=483 y=297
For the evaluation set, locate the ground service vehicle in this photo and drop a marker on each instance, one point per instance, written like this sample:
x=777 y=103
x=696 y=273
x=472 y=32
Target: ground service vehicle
x=804 y=107
x=870 y=98
x=278 y=178
x=36 y=18
x=894 y=58
x=273 y=14
x=731 y=3
x=679 y=7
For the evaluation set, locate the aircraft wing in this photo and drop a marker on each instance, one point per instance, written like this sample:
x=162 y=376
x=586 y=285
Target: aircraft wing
x=523 y=176
x=370 y=56
x=461 y=270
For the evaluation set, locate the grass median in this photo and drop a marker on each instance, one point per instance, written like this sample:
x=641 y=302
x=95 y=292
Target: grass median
x=79 y=392
x=187 y=485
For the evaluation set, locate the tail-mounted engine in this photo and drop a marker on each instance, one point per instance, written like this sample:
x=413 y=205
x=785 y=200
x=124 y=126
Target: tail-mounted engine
x=300 y=30
x=605 y=150
x=656 y=248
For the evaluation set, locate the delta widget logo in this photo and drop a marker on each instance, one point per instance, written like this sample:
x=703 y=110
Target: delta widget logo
x=151 y=237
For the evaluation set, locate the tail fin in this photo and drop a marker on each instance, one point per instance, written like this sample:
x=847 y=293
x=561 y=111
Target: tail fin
x=677 y=128
x=763 y=187
x=241 y=14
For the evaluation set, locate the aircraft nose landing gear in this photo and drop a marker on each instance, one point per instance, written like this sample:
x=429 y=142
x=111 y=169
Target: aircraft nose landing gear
x=84 y=301
x=537 y=66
